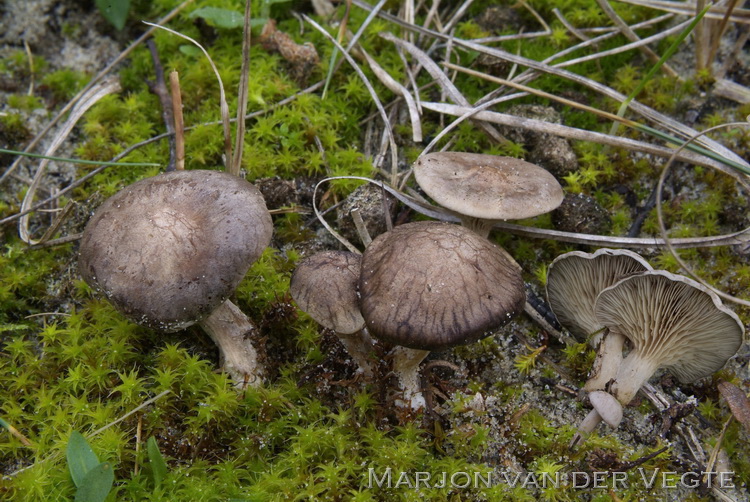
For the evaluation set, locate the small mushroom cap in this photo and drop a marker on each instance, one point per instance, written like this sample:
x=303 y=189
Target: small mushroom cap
x=575 y=279
x=488 y=187
x=672 y=321
x=432 y=285
x=169 y=249
x=607 y=406
x=325 y=286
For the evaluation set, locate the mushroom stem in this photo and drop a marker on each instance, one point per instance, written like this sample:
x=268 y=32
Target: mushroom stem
x=406 y=363
x=607 y=363
x=479 y=226
x=359 y=345
x=229 y=328
x=634 y=371
x=585 y=428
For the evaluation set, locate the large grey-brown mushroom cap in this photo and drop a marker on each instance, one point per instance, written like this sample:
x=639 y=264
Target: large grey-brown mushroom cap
x=432 y=285
x=169 y=249
x=325 y=286
x=673 y=322
x=488 y=187
x=575 y=279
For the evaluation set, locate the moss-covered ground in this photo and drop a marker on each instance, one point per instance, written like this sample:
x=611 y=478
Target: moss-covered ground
x=314 y=430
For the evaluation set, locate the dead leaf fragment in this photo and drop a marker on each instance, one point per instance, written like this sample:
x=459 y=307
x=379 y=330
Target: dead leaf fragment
x=738 y=403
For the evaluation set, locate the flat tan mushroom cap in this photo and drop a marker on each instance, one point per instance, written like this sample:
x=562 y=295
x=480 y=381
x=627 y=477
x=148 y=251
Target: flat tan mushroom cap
x=432 y=285
x=673 y=322
x=488 y=187
x=169 y=249
x=575 y=279
x=325 y=286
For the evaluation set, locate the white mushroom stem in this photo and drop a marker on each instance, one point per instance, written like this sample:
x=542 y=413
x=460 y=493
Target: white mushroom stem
x=607 y=363
x=229 y=328
x=359 y=345
x=606 y=408
x=585 y=428
x=406 y=366
x=634 y=371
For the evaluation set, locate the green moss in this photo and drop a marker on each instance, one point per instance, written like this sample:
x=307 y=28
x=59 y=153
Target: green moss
x=308 y=434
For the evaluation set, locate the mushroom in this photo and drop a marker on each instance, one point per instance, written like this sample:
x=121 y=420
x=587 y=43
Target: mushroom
x=574 y=280
x=672 y=322
x=430 y=286
x=167 y=251
x=325 y=286
x=481 y=189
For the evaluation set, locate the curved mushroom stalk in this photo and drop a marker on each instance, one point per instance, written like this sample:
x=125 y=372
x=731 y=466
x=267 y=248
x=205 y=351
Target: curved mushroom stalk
x=671 y=321
x=360 y=345
x=167 y=251
x=406 y=363
x=230 y=328
x=574 y=281
x=325 y=286
x=607 y=362
x=606 y=408
x=635 y=371
x=431 y=286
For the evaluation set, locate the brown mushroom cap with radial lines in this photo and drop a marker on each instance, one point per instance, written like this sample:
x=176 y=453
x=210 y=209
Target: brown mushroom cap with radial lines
x=325 y=286
x=575 y=279
x=432 y=285
x=168 y=250
x=672 y=322
x=488 y=187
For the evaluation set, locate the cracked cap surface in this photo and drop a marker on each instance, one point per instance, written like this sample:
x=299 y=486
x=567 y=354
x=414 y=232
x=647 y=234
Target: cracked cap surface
x=169 y=249
x=432 y=285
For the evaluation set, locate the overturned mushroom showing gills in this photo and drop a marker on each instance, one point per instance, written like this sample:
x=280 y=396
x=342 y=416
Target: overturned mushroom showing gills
x=167 y=251
x=430 y=286
x=325 y=286
x=574 y=280
x=481 y=189
x=672 y=322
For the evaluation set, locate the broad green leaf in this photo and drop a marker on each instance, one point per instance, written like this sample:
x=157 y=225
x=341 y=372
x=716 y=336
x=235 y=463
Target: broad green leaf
x=81 y=458
x=96 y=484
x=158 y=465
x=222 y=18
x=114 y=11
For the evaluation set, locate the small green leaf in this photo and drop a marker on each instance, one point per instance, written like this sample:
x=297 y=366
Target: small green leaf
x=190 y=50
x=158 y=465
x=114 y=11
x=96 y=484
x=221 y=18
x=81 y=458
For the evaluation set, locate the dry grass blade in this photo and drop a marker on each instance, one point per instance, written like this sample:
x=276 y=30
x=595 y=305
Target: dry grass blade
x=373 y=94
x=442 y=79
x=94 y=81
x=633 y=37
x=438 y=213
x=88 y=100
x=688 y=9
x=179 y=122
x=224 y=107
x=571 y=133
x=660 y=214
x=722 y=164
x=650 y=114
x=239 y=142
x=397 y=88
x=621 y=48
